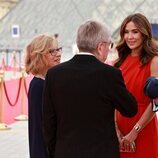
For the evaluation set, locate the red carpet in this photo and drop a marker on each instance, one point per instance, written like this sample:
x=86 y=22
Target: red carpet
x=9 y=112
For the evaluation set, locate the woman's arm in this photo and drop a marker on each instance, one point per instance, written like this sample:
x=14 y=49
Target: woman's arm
x=148 y=113
x=118 y=132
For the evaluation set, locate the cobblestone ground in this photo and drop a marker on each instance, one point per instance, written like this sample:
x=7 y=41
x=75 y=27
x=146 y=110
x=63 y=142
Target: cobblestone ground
x=14 y=142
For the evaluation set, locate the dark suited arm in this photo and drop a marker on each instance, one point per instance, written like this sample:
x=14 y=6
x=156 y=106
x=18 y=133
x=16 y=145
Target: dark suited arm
x=123 y=100
x=49 y=117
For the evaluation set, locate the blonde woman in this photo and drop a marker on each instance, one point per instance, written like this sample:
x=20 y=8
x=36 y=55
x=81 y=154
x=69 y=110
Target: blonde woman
x=41 y=54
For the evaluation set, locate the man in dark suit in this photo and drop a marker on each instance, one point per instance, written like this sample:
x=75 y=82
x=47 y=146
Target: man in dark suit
x=80 y=97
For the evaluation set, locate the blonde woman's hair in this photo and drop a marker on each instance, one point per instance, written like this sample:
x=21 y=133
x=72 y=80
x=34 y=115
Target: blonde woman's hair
x=35 y=60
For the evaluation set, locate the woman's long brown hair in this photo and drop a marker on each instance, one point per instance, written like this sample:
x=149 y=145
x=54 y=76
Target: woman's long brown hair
x=149 y=46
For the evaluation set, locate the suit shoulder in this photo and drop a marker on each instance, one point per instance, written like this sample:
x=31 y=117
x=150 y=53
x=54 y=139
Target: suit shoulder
x=112 y=68
x=58 y=67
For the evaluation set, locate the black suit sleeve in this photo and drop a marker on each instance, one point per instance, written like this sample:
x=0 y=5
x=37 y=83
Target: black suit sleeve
x=49 y=117
x=123 y=100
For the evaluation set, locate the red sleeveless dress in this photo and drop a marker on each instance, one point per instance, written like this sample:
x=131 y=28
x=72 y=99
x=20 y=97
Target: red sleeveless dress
x=147 y=140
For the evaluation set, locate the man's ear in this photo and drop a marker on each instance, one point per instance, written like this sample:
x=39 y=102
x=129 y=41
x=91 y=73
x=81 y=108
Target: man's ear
x=99 y=49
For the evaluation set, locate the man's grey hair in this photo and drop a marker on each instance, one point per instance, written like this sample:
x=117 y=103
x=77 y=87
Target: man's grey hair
x=90 y=33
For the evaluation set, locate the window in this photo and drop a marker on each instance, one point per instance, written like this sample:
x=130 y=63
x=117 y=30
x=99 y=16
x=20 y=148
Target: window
x=15 y=31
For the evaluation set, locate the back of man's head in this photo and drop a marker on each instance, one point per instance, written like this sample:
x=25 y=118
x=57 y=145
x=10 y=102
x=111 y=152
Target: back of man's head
x=90 y=33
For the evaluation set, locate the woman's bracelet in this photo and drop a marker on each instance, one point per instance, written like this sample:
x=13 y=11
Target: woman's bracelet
x=137 y=127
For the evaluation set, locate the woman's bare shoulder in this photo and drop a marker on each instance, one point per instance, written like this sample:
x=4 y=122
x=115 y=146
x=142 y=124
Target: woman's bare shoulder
x=154 y=66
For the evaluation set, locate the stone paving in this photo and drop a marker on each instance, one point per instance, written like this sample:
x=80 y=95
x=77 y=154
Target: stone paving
x=14 y=142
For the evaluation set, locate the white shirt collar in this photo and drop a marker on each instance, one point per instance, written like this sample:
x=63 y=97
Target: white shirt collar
x=85 y=53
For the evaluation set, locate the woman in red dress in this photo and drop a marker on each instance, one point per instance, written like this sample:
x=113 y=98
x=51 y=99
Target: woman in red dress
x=138 y=59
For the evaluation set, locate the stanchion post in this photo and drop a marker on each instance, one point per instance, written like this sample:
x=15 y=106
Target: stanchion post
x=14 y=65
x=3 y=126
x=3 y=61
x=22 y=116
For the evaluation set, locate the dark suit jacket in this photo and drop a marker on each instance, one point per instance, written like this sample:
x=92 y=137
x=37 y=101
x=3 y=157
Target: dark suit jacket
x=80 y=97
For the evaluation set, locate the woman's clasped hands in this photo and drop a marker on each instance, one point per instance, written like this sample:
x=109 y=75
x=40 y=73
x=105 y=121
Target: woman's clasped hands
x=127 y=142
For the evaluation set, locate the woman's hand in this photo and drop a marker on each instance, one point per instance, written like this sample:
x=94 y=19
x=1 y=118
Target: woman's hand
x=127 y=142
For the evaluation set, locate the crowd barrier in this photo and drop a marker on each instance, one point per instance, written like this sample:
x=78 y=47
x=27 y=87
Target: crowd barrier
x=13 y=99
x=14 y=64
